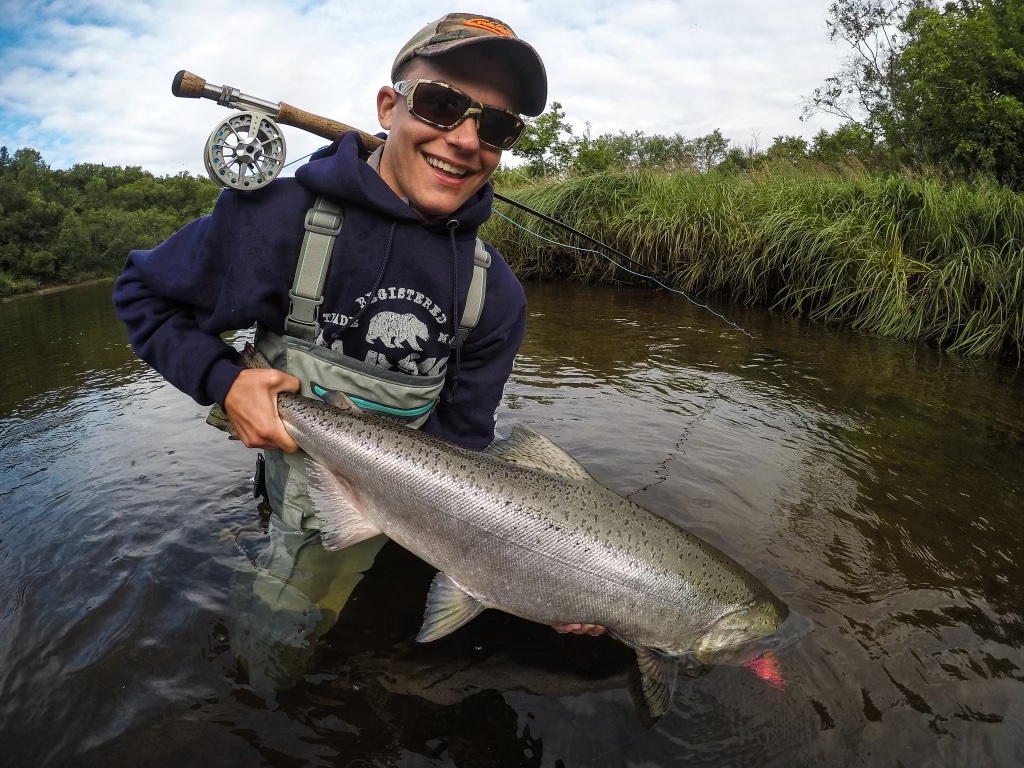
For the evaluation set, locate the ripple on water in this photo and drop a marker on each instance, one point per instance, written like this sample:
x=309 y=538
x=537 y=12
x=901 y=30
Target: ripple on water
x=874 y=485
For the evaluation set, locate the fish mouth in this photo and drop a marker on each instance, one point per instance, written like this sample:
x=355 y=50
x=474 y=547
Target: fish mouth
x=748 y=633
x=791 y=632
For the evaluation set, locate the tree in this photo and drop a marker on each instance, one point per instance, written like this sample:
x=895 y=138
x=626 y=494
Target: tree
x=65 y=225
x=787 y=149
x=849 y=142
x=861 y=91
x=708 y=151
x=943 y=87
x=631 y=150
x=962 y=99
x=547 y=144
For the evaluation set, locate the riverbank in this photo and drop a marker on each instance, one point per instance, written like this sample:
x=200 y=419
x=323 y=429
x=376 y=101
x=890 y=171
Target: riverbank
x=42 y=291
x=910 y=258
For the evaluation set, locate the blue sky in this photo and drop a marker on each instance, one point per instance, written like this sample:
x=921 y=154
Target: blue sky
x=89 y=80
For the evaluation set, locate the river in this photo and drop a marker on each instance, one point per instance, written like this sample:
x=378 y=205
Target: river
x=876 y=486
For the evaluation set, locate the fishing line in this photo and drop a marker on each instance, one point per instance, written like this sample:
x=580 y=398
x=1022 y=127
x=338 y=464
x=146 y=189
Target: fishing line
x=293 y=162
x=606 y=257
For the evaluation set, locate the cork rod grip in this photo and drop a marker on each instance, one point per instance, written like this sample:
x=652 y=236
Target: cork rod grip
x=320 y=126
x=187 y=86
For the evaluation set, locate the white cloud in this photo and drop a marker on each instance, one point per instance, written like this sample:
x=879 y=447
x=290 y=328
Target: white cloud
x=90 y=81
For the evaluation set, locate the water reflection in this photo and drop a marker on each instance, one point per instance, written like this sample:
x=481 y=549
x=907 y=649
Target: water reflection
x=59 y=345
x=874 y=485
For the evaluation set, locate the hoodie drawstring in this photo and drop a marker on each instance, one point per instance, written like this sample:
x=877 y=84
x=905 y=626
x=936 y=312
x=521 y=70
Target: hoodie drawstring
x=380 y=275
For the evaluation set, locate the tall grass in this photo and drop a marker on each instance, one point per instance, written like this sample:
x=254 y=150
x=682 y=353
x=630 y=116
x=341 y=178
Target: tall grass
x=913 y=258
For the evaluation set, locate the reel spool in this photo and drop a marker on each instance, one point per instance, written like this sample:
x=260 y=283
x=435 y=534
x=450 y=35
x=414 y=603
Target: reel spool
x=245 y=152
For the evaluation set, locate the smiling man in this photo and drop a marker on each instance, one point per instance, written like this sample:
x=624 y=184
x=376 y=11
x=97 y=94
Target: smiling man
x=364 y=274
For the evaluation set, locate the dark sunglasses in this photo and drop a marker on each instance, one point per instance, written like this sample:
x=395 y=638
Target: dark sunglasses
x=444 y=106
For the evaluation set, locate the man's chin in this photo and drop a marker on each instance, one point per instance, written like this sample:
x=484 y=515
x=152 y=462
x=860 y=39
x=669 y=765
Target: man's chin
x=438 y=209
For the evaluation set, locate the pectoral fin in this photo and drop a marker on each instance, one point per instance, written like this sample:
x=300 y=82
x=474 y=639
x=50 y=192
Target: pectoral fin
x=449 y=606
x=531 y=449
x=218 y=418
x=340 y=511
x=252 y=357
x=652 y=687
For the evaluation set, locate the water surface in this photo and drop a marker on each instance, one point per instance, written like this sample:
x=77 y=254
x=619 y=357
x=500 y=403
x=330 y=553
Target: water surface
x=874 y=485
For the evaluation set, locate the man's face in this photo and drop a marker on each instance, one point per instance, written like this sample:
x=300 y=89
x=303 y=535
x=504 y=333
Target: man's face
x=438 y=170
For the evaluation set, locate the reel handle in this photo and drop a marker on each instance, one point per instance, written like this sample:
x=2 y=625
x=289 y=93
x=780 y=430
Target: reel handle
x=189 y=86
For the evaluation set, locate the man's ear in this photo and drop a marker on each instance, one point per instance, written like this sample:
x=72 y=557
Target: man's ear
x=387 y=100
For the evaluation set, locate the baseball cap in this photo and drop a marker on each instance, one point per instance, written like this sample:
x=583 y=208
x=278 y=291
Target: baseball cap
x=459 y=29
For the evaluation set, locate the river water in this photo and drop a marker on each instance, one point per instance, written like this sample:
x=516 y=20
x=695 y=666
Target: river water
x=875 y=486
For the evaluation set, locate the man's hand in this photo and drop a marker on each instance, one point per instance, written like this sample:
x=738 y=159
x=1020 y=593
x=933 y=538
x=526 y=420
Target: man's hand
x=251 y=403
x=580 y=629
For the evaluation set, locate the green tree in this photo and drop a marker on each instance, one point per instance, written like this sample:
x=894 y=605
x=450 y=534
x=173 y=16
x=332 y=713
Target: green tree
x=594 y=155
x=547 y=144
x=962 y=102
x=849 y=142
x=862 y=89
x=739 y=159
x=787 y=149
x=939 y=86
x=708 y=151
x=97 y=241
x=631 y=150
x=66 y=225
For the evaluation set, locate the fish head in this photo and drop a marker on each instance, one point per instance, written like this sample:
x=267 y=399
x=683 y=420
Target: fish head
x=743 y=634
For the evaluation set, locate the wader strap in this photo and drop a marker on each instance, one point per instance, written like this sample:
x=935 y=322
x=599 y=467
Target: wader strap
x=477 y=291
x=323 y=223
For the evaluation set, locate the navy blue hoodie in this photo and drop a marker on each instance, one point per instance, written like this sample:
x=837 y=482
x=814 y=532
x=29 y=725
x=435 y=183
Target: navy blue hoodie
x=233 y=268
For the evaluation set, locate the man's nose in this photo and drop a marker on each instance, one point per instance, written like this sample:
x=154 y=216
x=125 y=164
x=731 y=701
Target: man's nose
x=464 y=135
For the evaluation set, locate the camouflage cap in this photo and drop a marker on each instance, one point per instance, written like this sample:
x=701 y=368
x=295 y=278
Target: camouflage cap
x=459 y=29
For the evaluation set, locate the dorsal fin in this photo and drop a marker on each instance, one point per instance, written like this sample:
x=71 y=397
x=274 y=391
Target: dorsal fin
x=334 y=397
x=531 y=449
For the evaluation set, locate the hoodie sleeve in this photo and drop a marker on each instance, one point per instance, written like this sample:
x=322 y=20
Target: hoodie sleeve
x=484 y=366
x=211 y=276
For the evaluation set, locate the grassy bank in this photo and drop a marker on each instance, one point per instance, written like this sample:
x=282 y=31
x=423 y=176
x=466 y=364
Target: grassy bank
x=902 y=257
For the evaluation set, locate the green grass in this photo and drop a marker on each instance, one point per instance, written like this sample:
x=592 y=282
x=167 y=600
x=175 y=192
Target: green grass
x=12 y=286
x=912 y=258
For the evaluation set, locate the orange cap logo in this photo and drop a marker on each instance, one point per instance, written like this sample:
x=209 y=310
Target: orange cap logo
x=491 y=26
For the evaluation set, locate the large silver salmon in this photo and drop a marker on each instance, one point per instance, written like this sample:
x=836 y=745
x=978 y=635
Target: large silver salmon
x=524 y=528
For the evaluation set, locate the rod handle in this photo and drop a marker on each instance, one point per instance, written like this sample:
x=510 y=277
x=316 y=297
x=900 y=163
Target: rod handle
x=320 y=125
x=188 y=86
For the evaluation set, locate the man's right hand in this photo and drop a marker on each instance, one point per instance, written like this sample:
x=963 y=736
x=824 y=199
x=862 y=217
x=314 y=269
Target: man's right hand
x=251 y=404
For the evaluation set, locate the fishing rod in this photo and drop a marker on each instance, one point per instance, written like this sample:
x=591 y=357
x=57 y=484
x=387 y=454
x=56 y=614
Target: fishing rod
x=246 y=151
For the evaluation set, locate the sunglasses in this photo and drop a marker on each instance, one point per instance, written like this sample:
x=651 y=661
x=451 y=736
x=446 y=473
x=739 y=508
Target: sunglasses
x=444 y=107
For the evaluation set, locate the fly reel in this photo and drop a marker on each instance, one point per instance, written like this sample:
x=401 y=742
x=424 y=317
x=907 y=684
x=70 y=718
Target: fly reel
x=245 y=152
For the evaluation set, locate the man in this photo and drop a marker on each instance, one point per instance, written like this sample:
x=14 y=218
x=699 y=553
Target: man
x=389 y=322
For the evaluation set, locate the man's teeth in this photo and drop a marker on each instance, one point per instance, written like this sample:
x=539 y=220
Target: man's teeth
x=446 y=167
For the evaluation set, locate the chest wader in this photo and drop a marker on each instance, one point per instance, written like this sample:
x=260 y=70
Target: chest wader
x=298 y=588
x=404 y=396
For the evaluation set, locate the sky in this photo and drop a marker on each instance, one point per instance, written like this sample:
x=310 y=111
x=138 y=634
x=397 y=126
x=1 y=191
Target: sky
x=89 y=81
